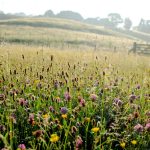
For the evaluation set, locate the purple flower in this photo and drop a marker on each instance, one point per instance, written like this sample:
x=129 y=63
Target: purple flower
x=93 y=97
x=67 y=96
x=51 y=109
x=147 y=127
x=138 y=86
x=132 y=97
x=63 y=110
x=118 y=102
x=138 y=128
x=22 y=147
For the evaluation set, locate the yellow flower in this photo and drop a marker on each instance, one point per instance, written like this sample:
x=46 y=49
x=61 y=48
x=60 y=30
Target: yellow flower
x=134 y=142
x=64 y=116
x=45 y=116
x=123 y=144
x=54 y=138
x=96 y=129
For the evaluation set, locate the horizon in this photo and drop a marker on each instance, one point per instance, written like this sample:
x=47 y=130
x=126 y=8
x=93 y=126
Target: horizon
x=90 y=9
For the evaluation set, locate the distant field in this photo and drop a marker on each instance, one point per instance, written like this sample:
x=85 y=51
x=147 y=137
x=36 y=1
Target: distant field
x=62 y=34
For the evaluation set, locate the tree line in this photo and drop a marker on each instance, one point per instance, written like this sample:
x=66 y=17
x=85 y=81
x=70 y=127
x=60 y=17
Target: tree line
x=113 y=20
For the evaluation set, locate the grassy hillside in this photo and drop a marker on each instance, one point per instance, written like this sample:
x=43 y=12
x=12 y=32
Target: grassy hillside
x=61 y=33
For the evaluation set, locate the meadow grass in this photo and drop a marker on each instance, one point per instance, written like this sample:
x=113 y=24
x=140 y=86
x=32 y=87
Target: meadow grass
x=73 y=99
x=61 y=33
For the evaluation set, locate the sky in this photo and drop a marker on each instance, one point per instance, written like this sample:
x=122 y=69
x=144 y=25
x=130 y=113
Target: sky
x=134 y=9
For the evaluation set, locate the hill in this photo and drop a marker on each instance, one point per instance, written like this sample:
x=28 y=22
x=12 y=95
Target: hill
x=62 y=33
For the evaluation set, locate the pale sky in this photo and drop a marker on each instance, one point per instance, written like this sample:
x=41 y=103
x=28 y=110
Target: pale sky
x=134 y=9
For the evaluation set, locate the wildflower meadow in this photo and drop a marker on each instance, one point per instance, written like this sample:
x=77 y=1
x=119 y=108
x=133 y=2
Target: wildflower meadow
x=73 y=100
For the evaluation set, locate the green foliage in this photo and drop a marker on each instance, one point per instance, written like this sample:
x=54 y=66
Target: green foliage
x=115 y=19
x=70 y=15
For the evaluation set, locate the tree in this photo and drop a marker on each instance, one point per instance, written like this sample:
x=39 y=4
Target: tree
x=106 y=23
x=127 y=23
x=115 y=19
x=49 y=13
x=70 y=15
x=144 y=26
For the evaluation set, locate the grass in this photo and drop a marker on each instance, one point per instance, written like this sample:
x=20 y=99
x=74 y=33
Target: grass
x=62 y=34
x=73 y=99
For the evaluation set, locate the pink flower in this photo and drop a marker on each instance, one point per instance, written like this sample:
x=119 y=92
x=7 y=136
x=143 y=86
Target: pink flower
x=147 y=127
x=138 y=128
x=22 y=147
x=51 y=109
x=93 y=97
x=67 y=96
x=78 y=142
x=23 y=102
x=82 y=102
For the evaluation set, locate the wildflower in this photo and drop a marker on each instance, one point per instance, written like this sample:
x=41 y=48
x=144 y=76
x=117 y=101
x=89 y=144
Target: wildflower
x=93 y=97
x=54 y=138
x=118 y=102
x=21 y=147
x=67 y=96
x=56 y=84
x=37 y=133
x=123 y=144
x=23 y=102
x=51 y=109
x=63 y=110
x=138 y=128
x=147 y=127
x=64 y=116
x=82 y=102
x=31 y=119
x=132 y=97
x=138 y=86
x=134 y=142
x=58 y=100
x=78 y=142
x=96 y=129
x=45 y=116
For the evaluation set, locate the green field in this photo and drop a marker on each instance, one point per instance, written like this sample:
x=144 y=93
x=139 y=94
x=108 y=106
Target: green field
x=62 y=86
